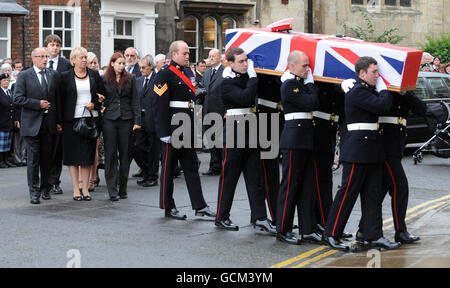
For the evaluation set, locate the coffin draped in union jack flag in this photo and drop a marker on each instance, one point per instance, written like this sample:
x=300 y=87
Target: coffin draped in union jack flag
x=332 y=59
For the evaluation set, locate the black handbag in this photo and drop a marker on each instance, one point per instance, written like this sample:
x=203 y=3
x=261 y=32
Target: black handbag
x=85 y=128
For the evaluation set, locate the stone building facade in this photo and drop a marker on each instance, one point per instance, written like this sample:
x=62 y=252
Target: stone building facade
x=197 y=20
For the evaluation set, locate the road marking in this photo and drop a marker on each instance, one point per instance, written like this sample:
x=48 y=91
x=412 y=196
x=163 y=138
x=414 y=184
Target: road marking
x=331 y=252
x=317 y=258
x=299 y=257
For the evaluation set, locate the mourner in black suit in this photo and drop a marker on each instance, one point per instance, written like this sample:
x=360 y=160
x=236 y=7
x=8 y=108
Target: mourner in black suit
x=37 y=92
x=7 y=119
x=239 y=88
x=122 y=115
x=131 y=59
x=299 y=98
x=393 y=134
x=52 y=44
x=213 y=103
x=173 y=92
x=362 y=154
x=80 y=89
x=147 y=146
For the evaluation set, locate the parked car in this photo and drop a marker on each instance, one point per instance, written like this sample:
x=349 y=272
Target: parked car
x=431 y=87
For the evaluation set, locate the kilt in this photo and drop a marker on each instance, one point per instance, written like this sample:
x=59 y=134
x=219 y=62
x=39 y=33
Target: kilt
x=5 y=141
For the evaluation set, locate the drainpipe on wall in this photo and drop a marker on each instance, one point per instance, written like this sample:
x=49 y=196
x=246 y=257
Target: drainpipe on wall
x=310 y=16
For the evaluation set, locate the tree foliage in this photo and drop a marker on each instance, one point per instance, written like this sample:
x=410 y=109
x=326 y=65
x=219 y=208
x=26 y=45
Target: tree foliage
x=368 y=33
x=438 y=47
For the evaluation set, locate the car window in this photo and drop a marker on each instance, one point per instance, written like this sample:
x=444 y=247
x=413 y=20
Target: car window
x=447 y=81
x=439 y=88
x=421 y=89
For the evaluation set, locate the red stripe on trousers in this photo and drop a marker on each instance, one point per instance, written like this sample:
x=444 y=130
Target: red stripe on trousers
x=395 y=196
x=164 y=177
x=223 y=179
x=267 y=189
x=318 y=193
x=287 y=192
x=343 y=199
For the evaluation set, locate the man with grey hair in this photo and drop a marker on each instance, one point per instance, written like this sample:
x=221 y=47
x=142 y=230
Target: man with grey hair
x=146 y=150
x=131 y=62
x=159 y=62
x=212 y=103
x=36 y=92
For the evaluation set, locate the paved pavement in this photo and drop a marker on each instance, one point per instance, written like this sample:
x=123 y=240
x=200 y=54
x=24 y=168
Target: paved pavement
x=133 y=232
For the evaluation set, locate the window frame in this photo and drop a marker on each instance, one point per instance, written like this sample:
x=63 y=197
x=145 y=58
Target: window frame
x=8 y=37
x=75 y=29
x=197 y=32
x=216 y=29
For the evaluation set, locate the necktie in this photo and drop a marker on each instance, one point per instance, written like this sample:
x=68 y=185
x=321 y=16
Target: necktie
x=213 y=73
x=129 y=69
x=44 y=84
x=9 y=94
x=145 y=84
x=51 y=64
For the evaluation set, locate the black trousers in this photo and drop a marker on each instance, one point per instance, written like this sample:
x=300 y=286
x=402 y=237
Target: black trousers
x=235 y=162
x=55 y=172
x=271 y=171
x=215 y=164
x=189 y=164
x=323 y=185
x=396 y=183
x=296 y=190
x=358 y=179
x=117 y=135
x=147 y=152
x=39 y=158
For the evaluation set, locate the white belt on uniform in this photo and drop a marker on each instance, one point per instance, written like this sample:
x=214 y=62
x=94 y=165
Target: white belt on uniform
x=240 y=111
x=362 y=126
x=182 y=104
x=298 y=115
x=392 y=120
x=326 y=116
x=270 y=104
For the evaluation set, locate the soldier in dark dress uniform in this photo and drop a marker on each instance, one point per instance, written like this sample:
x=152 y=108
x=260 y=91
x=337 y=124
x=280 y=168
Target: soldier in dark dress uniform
x=299 y=97
x=175 y=93
x=362 y=155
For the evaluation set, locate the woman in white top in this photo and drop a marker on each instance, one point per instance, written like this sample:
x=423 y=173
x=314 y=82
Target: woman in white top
x=82 y=92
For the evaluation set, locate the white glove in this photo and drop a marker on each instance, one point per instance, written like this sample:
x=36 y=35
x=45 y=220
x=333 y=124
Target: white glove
x=309 y=78
x=380 y=85
x=165 y=139
x=251 y=69
x=348 y=84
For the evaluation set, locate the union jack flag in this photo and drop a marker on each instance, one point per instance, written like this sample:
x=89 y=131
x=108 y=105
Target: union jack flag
x=330 y=57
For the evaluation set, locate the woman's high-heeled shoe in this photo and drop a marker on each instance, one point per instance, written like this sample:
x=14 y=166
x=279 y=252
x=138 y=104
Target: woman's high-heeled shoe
x=91 y=187
x=97 y=181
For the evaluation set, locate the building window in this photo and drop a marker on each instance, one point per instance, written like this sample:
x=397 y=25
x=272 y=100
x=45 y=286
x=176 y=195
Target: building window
x=357 y=2
x=405 y=3
x=227 y=23
x=390 y=2
x=62 y=21
x=123 y=34
x=191 y=37
x=5 y=37
x=209 y=35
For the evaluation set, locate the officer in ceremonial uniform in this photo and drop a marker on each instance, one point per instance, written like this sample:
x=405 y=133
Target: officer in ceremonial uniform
x=362 y=154
x=393 y=131
x=239 y=89
x=175 y=93
x=299 y=97
x=269 y=102
x=326 y=122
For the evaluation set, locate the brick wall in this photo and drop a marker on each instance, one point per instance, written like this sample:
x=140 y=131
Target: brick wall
x=90 y=27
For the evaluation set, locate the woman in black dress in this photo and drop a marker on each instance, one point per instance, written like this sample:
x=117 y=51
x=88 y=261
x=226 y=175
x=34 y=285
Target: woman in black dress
x=82 y=93
x=122 y=115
